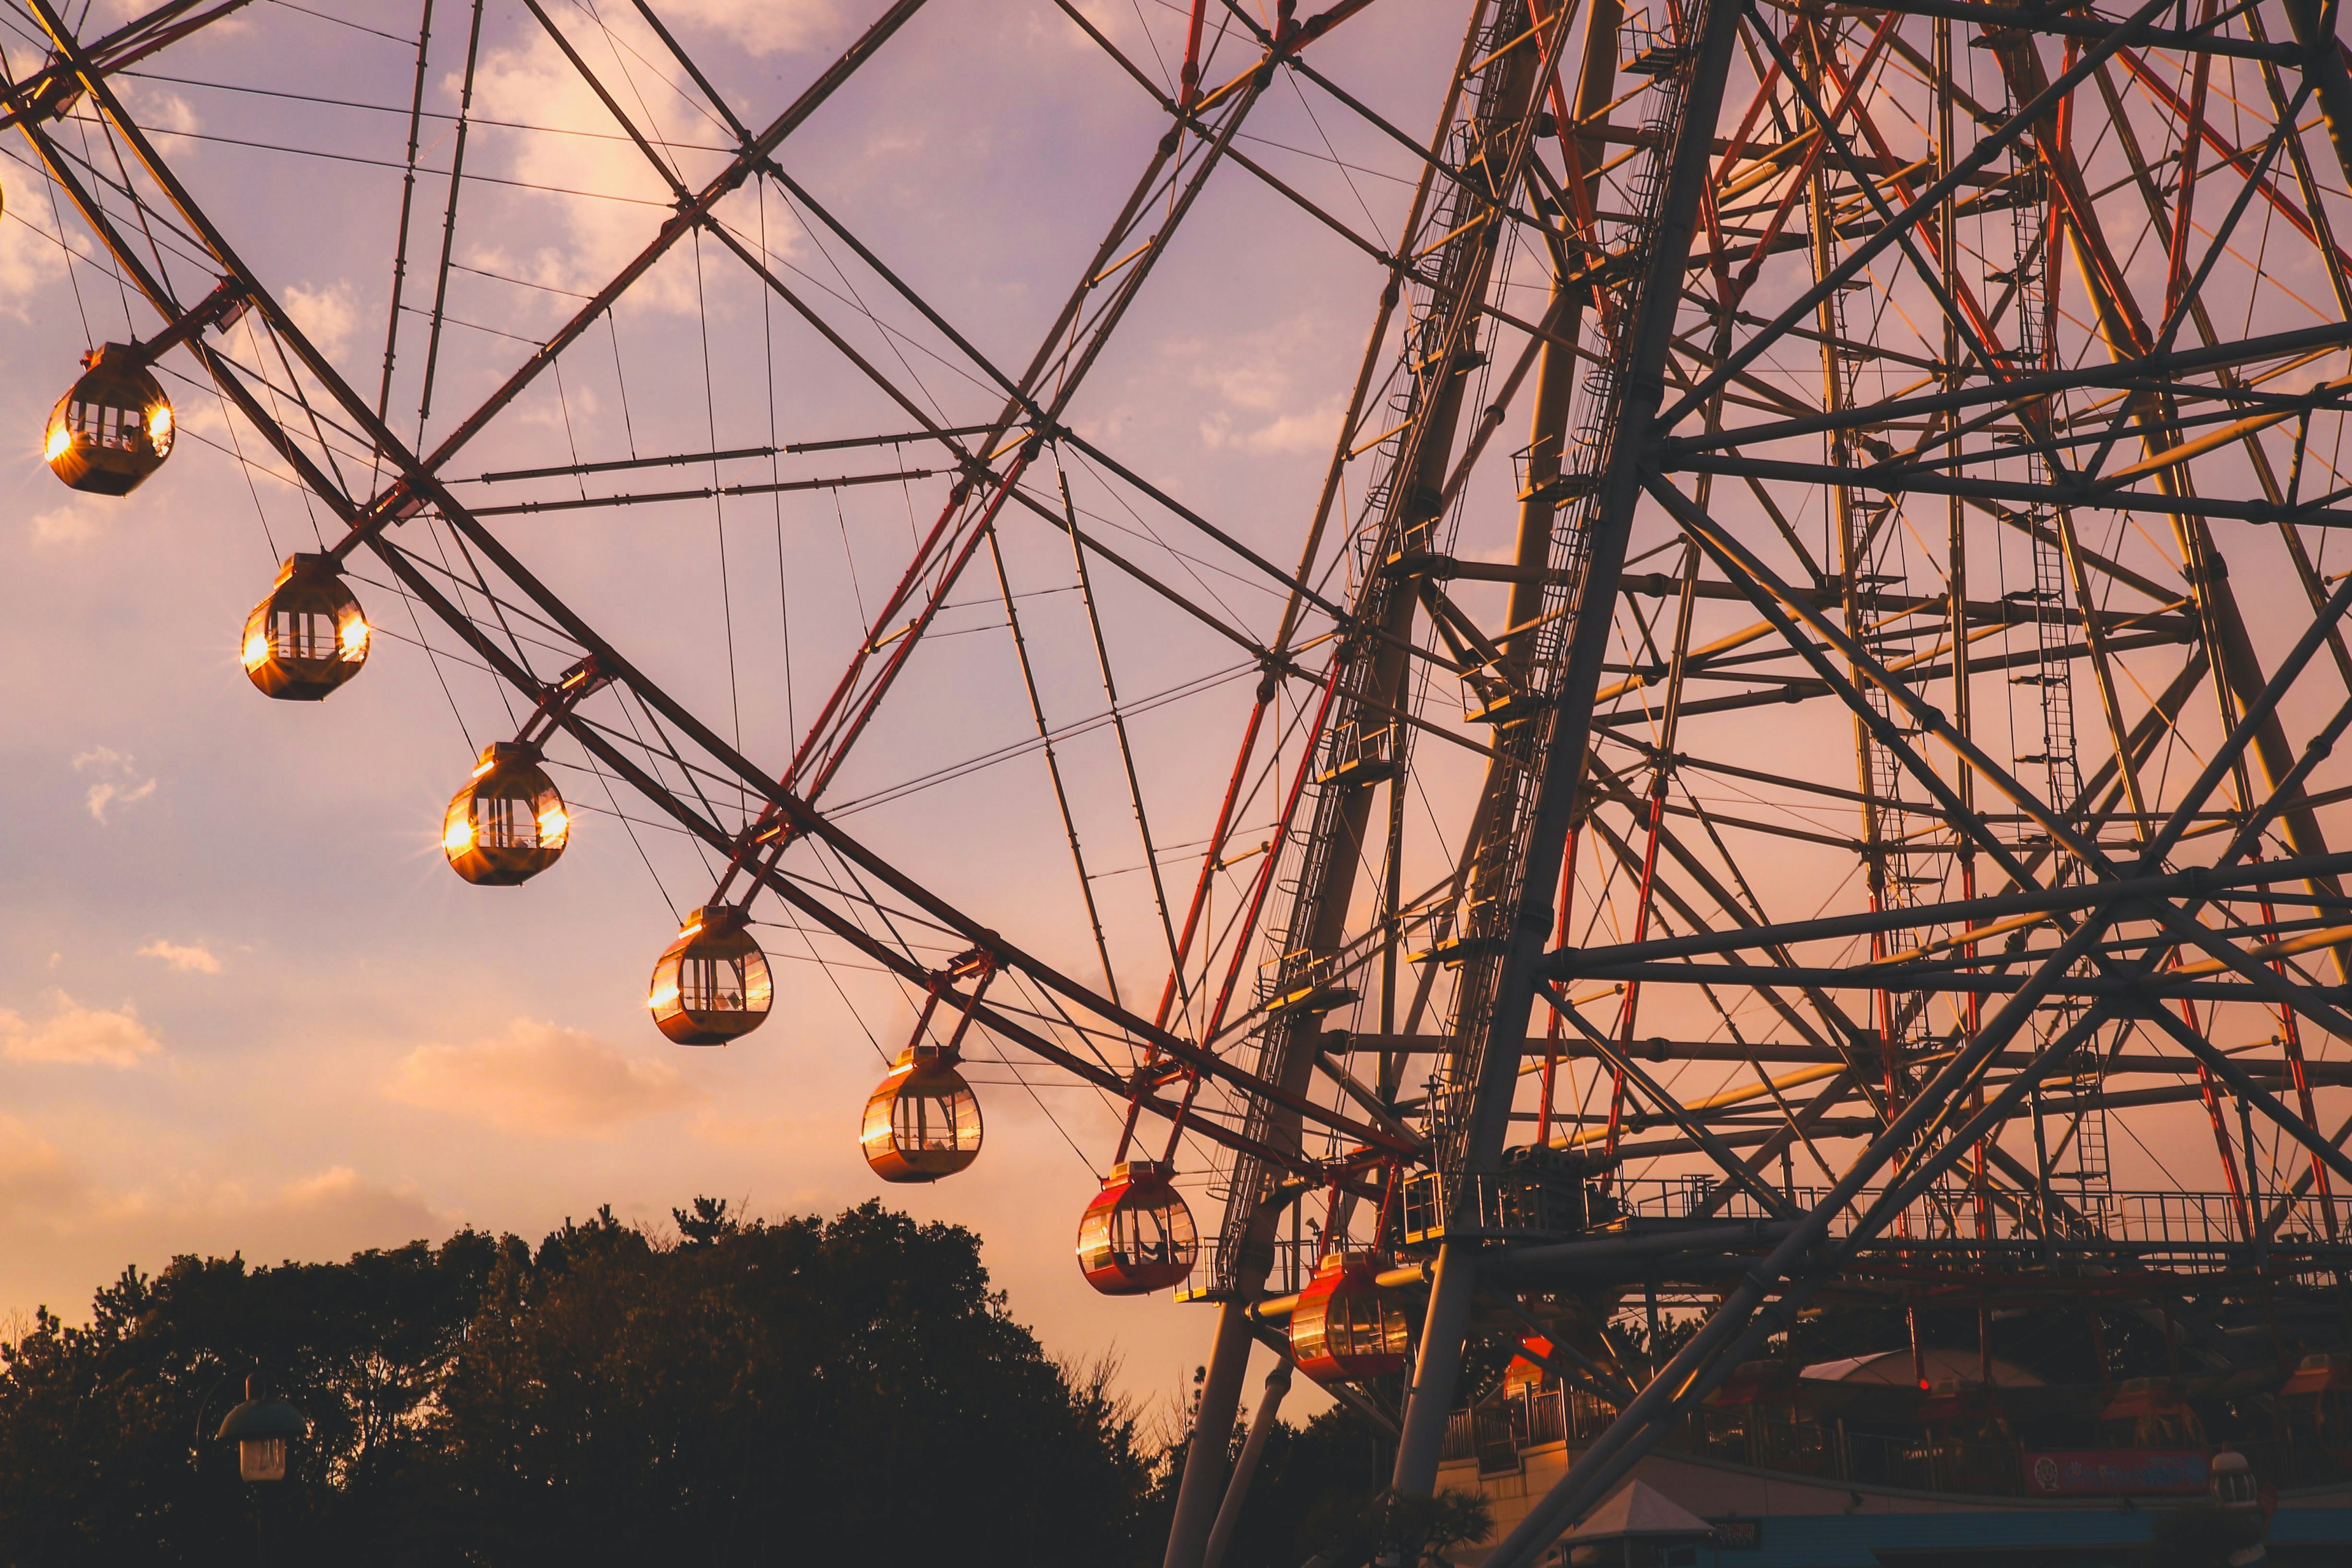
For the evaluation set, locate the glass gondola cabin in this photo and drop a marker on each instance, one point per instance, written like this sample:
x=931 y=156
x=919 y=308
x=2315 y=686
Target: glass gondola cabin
x=1136 y=1236
x=507 y=825
x=1758 y=1417
x=923 y=1121
x=2317 y=1400
x=113 y=428
x=711 y=985
x=309 y=637
x=2149 y=1413
x=1347 y=1325
x=1973 y=1446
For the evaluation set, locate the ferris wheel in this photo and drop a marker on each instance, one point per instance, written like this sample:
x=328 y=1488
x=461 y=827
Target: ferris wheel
x=1789 y=748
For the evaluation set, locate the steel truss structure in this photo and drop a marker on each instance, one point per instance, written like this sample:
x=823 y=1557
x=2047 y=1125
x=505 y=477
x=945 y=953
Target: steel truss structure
x=1971 y=379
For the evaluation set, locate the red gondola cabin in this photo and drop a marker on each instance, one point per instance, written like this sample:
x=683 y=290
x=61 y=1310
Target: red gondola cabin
x=1136 y=1236
x=1347 y=1324
x=2319 y=1404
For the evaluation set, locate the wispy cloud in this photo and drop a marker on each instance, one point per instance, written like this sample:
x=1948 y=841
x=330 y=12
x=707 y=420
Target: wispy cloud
x=35 y=1178
x=192 y=959
x=66 y=525
x=540 y=1079
x=758 y=27
x=326 y=315
x=47 y=1195
x=30 y=259
x=75 y=1034
x=115 y=772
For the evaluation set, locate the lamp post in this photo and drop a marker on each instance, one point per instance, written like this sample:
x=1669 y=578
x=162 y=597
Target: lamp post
x=262 y=1427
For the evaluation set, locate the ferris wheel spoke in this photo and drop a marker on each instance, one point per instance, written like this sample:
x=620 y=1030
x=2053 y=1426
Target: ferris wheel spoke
x=48 y=92
x=859 y=710
x=1833 y=1018
x=1778 y=604
x=418 y=481
x=1669 y=1106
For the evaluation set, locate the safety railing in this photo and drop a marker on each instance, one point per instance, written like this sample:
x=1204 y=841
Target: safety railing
x=2179 y=1226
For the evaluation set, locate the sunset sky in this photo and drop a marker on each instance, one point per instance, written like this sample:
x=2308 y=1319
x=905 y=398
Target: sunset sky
x=246 y=1006
x=243 y=1003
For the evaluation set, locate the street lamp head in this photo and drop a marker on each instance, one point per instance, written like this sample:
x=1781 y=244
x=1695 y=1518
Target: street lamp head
x=262 y=1427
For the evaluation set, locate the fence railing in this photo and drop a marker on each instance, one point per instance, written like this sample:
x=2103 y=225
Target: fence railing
x=2184 y=1230
x=2181 y=1225
x=1500 y=1432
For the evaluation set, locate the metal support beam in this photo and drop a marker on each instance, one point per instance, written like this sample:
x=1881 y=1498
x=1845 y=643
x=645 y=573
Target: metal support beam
x=1631 y=433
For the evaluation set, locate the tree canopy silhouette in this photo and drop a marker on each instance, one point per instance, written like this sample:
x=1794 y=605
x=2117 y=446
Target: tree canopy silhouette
x=796 y=1391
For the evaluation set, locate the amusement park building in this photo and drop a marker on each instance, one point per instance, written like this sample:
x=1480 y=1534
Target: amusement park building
x=1744 y=1489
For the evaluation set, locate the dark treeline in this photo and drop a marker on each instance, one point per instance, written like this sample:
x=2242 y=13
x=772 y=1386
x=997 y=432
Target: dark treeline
x=801 y=1391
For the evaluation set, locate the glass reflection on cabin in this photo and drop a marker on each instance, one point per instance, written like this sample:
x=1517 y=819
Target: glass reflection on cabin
x=113 y=428
x=1346 y=1324
x=923 y=1121
x=711 y=985
x=1136 y=1236
x=309 y=637
x=507 y=825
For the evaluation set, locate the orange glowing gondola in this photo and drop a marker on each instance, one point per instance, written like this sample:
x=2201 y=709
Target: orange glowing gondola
x=507 y=825
x=309 y=637
x=923 y=1122
x=113 y=428
x=1347 y=1325
x=1136 y=1236
x=711 y=985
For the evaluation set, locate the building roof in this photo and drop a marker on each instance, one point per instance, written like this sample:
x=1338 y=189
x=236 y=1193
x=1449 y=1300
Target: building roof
x=1637 y=1509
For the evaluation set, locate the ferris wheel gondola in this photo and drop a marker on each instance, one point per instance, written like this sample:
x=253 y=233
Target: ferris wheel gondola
x=711 y=986
x=113 y=428
x=508 y=823
x=309 y=637
x=1137 y=1237
x=922 y=1122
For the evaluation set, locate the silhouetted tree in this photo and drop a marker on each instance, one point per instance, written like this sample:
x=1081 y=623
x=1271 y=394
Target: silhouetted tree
x=800 y=1391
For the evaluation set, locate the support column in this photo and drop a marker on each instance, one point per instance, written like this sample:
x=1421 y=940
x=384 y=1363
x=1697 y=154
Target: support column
x=1204 y=1456
x=1277 y=1383
x=1434 y=1370
x=1504 y=1022
x=2315 y=23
